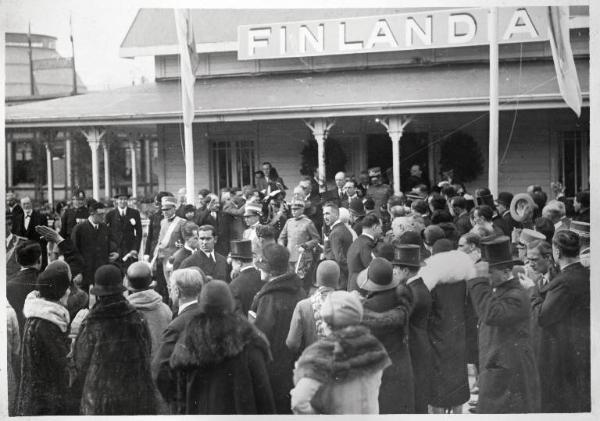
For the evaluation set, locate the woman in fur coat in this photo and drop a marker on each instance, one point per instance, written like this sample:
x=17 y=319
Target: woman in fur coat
x=222 y=358
x=340 y=374
x=111 y=354
x=44 y=377
x=445 y=275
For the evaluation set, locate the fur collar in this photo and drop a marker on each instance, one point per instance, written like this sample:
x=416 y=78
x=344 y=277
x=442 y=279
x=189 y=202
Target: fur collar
x=208 y=340
x=346 y=354
x=111 y=307
x=35 y=306
x=288 y=283
x=449 y=267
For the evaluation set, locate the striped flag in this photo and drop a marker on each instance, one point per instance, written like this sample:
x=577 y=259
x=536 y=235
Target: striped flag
x=189 y=61
x=566 y=73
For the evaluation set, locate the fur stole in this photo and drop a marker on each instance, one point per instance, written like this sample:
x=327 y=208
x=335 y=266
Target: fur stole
x=346 y=354
x=35 y=306
x=210 y=339
x=447 y=268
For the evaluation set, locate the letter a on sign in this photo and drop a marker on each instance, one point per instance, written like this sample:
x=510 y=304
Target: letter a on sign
x=520 y=23
x=381 y=34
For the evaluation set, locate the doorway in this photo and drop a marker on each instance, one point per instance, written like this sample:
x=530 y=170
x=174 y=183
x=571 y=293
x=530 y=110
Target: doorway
x=414 y=149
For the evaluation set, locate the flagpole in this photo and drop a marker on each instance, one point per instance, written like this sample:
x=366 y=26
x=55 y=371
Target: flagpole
x=494 y=105
x=73 y=58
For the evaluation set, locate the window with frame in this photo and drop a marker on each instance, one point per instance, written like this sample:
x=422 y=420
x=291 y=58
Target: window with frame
x=24 y=170
x=233 y=163
x=574 y=161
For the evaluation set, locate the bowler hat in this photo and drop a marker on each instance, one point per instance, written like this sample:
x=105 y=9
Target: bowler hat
x=107 y=281
x=53 y=282
x=496 y=252
x=275 y=259
x=407 y=255
x=379 y=276
x=216 y=298
x=505 y=198
x=122 y=194
x=241 y=249
x=356 y=207
x=168 y=202
x=518 y=205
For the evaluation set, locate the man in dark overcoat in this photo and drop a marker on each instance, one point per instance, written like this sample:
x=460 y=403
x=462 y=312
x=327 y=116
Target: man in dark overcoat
x=508 y=378
x=360 y=251
x=125 y=230
x=562 y=310
x=274 y=306
x=247 y=282
x=92 y=240
x=74 y=215
x=19 y=285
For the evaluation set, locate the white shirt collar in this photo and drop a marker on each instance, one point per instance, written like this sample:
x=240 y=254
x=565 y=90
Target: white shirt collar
x=368 y=235
x=182 y=306
x=246 y=268
x=185 y=246
x=91 y=222
x=210 y=255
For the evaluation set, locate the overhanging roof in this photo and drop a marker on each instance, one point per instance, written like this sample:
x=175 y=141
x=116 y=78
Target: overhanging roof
x=411 y=90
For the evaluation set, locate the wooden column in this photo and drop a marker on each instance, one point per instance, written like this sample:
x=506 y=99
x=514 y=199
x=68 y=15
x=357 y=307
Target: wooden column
x=94 y=136
x=320 y=129
x=49 y=172
x=68 y=168
x=106 y=150
x=494 y=104
x=132 y=148
x=395 y=128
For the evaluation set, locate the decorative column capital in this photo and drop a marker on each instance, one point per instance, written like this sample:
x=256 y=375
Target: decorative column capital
x=93 y=136
x=320 y=126
x=394 y=125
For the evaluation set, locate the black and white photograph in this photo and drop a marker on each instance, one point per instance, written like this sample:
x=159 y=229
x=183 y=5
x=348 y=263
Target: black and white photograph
x=299 y=209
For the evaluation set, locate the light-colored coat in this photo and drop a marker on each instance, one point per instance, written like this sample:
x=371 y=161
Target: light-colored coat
x=296 y=233
x=157 y=314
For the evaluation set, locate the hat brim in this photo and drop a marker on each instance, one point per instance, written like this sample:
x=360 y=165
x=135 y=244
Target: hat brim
x=365 y=283
x=251 y=214
x=506 y=262
x=100 y=291
x=513 y=205
x=240 y=256
x=399 y=263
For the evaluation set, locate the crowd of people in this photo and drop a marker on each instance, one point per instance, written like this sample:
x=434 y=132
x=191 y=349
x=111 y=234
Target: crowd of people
x=269 y=300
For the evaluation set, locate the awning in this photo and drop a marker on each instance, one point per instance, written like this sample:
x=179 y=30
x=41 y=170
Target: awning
x=410 y=90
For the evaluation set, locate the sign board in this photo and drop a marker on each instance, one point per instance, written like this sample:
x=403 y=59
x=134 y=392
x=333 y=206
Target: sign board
x=397 y=32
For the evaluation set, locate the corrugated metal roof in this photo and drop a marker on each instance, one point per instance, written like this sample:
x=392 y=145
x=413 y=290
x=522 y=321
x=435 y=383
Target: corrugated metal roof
x=416 y=90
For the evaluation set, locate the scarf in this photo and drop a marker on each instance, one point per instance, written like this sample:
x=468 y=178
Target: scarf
x=36 y=306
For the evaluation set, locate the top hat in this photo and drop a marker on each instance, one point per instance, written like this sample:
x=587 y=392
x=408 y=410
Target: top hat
x=518 y=205
x=241 y=249
x=252 y=209
x=528 y=235
x=108 y=280
x=168 y=202
x=496 y=252
x=407 y=255
x=379 y=276
x=505 y=198
x=375 y=172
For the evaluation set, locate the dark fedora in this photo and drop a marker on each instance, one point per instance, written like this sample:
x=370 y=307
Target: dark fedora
x=241 y=249
x=379 y=276
x=407 y=255
x=108 y=280
x=275 y=259
x=122 y=194
x=496 y=252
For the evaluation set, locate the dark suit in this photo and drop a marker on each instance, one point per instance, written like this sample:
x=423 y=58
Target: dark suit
x=336 y=248
x=334 y=197
x=17 y=288
x=217 y=269
x=153 y=232
x=161 y=372
x=463 y=223
x=506 y=223
x=359 y=257
x=204 y=217
x=69 y=220
x=94 y=246
x=36 y=219
x=179 y=256
x=244 y=287
x=125 y=236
